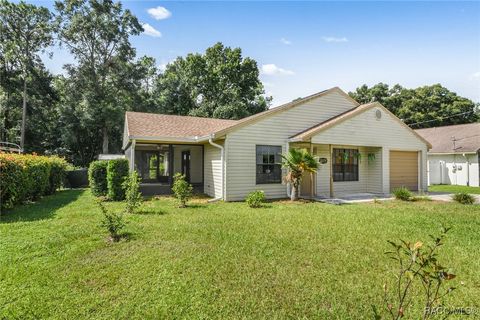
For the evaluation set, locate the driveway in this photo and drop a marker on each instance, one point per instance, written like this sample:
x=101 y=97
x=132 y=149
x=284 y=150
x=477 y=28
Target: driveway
x=444 y=196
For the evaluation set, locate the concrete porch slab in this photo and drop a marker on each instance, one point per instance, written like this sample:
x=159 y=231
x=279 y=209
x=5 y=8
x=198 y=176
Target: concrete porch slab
x=355 y=198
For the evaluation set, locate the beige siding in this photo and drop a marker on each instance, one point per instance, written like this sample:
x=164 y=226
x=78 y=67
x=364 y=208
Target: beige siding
x=365 y=130
x=213 y=169
x=273 y=130
x=369 y=173
x=374 y=182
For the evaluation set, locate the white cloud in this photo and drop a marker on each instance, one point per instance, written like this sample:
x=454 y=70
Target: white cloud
x=285 y=41
x=334 y=39
x=272 y=70
x=151 y=31
x=159 y=13
x=476 y=75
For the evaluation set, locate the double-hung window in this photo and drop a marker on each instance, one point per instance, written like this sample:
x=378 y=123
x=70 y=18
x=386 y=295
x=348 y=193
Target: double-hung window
x=345 y=165
x=268 y=164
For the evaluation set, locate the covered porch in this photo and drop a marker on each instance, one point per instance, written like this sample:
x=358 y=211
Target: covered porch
x=344 y=171
x=157 y=163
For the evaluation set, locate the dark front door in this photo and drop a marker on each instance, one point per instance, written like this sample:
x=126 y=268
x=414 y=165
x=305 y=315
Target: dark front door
x=186 y=164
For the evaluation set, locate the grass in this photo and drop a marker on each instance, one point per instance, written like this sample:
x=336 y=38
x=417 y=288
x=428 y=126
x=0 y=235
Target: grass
x=220 y=260
x=453 y=189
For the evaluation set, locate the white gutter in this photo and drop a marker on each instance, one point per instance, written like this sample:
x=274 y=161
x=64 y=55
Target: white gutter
x=222 y=155
x=170 y=139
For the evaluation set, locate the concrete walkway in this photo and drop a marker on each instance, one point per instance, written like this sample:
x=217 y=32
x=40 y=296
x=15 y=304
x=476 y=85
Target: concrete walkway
x=447 y=197
x=356 y=198
x=370 y=197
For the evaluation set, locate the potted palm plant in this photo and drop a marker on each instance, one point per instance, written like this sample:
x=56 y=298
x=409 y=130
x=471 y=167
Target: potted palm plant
x=298 y=161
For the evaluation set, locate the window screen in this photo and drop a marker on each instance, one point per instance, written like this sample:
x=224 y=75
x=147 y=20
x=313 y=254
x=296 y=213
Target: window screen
x=345 y=165
x=269 y=169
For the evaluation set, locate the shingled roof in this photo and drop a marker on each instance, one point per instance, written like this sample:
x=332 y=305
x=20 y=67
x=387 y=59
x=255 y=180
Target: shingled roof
x=467 y=138
x=153 y=125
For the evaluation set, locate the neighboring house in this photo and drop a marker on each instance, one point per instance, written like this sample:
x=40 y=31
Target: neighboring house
x=455 y=154
x=362 y=148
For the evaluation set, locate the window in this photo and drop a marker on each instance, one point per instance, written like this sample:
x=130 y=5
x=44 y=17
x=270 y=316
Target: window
x=269 y=168
x=345 y=165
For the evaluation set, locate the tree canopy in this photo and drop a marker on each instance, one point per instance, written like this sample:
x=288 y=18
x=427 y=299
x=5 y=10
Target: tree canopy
x=422 y=107
x=97 y=34
x=80 y=113
x=219 y=83
x=25 y=31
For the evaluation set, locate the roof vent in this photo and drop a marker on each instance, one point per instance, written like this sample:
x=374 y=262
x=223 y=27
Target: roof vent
x=378 y=114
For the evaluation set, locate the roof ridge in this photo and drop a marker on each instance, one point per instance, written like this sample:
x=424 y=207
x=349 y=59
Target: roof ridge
x=178 y=116
x=449 y=125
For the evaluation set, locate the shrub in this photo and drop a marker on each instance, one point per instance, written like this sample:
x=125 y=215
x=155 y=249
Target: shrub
x=133 y=197
x=97 y=178
x=255 y=199
x=28 y=177
x=58 y=169
x=402 y=193
x=417 y=266
x=117 y=171
x=38 y=174
x=112 y=221
x=182 y=189
x=463 y=198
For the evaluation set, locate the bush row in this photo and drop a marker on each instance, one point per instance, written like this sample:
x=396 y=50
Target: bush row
x=28 y=177
x=106 y=178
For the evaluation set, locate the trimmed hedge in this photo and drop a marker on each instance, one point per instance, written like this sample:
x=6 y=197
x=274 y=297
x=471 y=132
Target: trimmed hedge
x=28 y=177
x=97 y=177
x=117 y=171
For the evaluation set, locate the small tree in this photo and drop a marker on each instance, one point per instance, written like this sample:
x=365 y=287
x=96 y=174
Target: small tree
x=298 y=162
x=182 y=189
x=418 y=266
x=112 y=221
x=133 y=197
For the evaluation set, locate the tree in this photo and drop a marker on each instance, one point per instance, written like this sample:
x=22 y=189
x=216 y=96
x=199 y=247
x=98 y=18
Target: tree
x=25 y=31
x=423 y=107
x=219 y=83
x=97 y=33
x=298 y=162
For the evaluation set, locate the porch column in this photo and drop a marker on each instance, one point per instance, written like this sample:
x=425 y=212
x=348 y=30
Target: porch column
x=385 y=170
x=132 y=156
x=170 y=164
x=313 y=177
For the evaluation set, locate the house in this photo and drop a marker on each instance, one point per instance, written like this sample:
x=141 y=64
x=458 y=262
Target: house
x=362 y=149
x=455 y=154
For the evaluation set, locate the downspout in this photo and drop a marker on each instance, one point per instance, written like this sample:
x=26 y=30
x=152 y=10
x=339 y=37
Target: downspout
x=468 y=169
x=222 y=156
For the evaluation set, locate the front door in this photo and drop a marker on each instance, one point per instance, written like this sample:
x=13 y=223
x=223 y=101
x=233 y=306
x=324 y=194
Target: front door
x=186 y=164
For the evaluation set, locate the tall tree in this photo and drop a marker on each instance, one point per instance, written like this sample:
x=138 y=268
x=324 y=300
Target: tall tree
x=97 y=33
x=25 y=31
x=219 y=83
x=423 y=107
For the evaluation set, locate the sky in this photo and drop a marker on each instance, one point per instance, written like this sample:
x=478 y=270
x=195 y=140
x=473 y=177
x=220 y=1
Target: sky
x=305 y=47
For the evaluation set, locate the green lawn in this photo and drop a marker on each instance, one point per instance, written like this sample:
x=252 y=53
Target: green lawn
x=453 y=189
x=221 y=260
